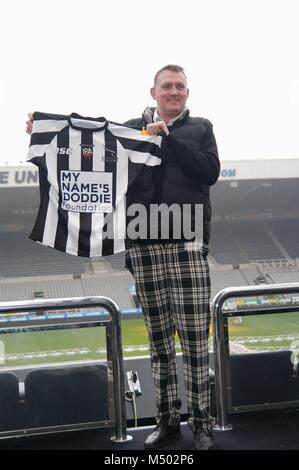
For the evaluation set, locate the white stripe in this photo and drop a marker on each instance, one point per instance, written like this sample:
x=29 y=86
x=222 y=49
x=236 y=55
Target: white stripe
x=96 y=239
x=123 y=131
x=36 y=151
x=119 y=218
x=74 y=217
x=73 y=233
x=141 y=157
x=52 y=211
x=48 y=125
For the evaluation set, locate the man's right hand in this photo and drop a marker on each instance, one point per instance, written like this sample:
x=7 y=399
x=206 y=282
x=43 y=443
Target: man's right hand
x=29 y=124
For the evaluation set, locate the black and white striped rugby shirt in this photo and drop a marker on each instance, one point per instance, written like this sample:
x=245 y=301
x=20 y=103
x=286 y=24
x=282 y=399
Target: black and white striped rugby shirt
x=86 y=166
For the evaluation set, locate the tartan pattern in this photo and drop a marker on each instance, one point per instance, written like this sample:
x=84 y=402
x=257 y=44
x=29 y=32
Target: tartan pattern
x=173 y=287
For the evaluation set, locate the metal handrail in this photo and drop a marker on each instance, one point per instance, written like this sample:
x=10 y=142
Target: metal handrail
x=219 y=334
x=116 y=341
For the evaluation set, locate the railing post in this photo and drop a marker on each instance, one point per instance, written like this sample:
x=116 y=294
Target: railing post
x=219 y=358
x=219 y=337
x=116 y=343
x=118 y=379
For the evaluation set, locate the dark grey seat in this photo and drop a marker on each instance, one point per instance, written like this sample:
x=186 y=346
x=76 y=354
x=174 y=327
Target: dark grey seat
x=9 y=402
x=66 y=395
x=259 y=378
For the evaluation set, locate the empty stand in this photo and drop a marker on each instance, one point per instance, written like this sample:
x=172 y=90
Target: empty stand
x=250 y=274
x=222 y=279
x=112 y=285
x=262 y=378
x=282 y=277
x=255 y=196
x=117 y=261
x=66 y=395
x=255 y=241
x=224 y=247
x=23 y=289
x=10 y=412
x=20 y=257
x=287 y=232
x=240 y=242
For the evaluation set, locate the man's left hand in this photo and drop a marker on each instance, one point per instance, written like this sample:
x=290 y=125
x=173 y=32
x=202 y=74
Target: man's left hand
x=157 y=128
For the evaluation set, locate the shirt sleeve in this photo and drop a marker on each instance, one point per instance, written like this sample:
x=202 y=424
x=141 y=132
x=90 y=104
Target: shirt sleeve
x=141 y=147
x=45 y=128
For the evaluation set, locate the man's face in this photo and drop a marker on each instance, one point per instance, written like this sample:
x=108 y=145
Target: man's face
x=171 y=93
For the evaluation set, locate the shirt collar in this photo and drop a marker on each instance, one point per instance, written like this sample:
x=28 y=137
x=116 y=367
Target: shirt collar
x=156 y=117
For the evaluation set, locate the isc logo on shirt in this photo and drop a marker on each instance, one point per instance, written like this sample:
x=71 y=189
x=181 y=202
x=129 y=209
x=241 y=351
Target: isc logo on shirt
x=63 y=151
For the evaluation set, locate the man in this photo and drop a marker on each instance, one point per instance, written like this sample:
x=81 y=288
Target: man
x=172 y=275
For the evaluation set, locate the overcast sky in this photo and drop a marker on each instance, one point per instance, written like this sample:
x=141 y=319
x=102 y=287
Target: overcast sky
x=99 y=58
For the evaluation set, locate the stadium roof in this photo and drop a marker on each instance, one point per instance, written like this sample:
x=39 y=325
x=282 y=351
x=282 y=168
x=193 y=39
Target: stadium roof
x=259 y=169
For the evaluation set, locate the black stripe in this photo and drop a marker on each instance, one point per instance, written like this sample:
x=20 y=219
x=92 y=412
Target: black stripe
x=110 y=167
x=85 y=218
x=140 y=146
x=39 y=116
x=44 y=190
x=63 y=142
x=42 y=138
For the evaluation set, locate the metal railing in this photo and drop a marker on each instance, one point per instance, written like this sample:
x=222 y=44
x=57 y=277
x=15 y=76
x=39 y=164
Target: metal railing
x=220 y=334
x=19 y=307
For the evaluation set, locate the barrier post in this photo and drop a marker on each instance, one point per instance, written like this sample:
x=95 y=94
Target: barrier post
x=219 y=335
x=19 y=307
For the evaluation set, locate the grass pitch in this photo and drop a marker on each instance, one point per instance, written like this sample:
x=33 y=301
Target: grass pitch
x=21 y=349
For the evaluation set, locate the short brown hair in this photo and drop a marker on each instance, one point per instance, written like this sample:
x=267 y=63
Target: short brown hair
x=172 y=68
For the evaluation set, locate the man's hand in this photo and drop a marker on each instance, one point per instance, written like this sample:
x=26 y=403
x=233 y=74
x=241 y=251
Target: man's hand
x=29 y=124
x=157 y=128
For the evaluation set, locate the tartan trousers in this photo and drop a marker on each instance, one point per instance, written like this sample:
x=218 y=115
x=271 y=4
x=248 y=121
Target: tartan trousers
x=173 y=287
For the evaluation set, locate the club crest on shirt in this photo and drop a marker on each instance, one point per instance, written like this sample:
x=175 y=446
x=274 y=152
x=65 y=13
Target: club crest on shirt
x=87 y=152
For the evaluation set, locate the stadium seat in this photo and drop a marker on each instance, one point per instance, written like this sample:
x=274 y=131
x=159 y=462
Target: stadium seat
x=66 y=395
x=262 y=378
x=10 y=411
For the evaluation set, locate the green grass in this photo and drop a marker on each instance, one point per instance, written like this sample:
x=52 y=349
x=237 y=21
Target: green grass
x=84 y=344
x=260 y=329
x=54 y=346
x=134 y=332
